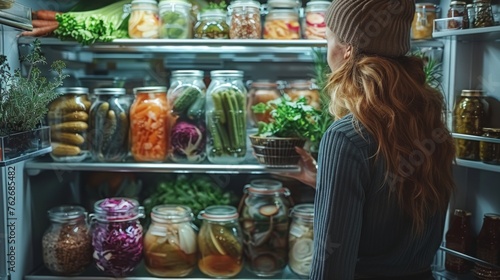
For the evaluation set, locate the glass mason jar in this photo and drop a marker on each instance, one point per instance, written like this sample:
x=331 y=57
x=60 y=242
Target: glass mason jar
x=68 y=120
x=483 y=14
x=261 y=91
x=423 y=20
x=175 y=17
x=226 y=117
x=457 y=9
x=67 y=243
x=470 y=115
x=300 y=241
x=471 y=14
x=149 y=124
x=220 y=242
x=490 y=152
x=188 y=134
x=109 y=125
x=245 y=20
x=460 y=237
x=314 y=21
x=264 y=219
x=170 y=248
x=282 y=24
x=117 y=235
x=144 y=21
x=488 y=247
x=304 y=88
x=212 y=25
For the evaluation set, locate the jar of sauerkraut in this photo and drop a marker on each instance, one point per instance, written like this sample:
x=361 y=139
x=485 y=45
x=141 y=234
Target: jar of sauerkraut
x=144 y=22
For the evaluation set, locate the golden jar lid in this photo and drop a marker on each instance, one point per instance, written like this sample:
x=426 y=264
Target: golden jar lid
x=491 y=129
x=472 y=92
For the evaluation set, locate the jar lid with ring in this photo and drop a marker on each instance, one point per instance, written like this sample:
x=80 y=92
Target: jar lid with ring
x=171 y=214
x=109 y=91
x=219 y=213
x=243 y=4
x=283 y=3
x=67 y=213
x=491 y=129
x=72 y=90
x=458 y=3
x=152 y=89
x=472 y=92
x=187 y=73
x=215 y=13
x=117 y=209
x=303 y=211
x=426 y=6
x=226 y=73
x=317 y=6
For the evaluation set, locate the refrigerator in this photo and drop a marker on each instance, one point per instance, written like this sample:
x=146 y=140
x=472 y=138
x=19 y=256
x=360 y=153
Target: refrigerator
x=469 y=60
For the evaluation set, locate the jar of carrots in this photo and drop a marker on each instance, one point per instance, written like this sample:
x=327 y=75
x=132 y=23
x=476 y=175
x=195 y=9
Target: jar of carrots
x=149 y=124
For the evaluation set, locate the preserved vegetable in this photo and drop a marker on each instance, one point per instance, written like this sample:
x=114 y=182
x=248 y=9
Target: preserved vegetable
x=175 y=18
x=490 y=152
x=488 y=247
x=212 y=25
x=460 y=237
x=144 y=21
x=457 y=9
x=314 y=24
x=423 y=20
x=282 y=25
x=300 y=241
x=261 y=91
x=304 y=88
x=483 y=14
x=245 y=20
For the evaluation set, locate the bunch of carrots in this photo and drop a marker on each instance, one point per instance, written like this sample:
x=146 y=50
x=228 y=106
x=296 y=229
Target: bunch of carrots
x=44 y=23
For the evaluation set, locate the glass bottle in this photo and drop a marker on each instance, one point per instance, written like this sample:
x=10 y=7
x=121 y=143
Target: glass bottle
x=261 y=91
x=490 y=152
x=304 y=88
x=226 y=117
x=488 y=247
x=471 y=14
x=483 y=13
x=68 y=120
x=175 y=17
x=457 y=9
x=67 y=243
x=423 y=20
x=212 y=25
x=170 y=248
x=144 y=21
x=109 y=125
x=460 y=237
x=188 y=133
x=264 y=210
x=300 y=240
x=245 y=20
x=117 y=235
x=314 y=21
x=220 y=242
x=149 y=124
x=282 y=20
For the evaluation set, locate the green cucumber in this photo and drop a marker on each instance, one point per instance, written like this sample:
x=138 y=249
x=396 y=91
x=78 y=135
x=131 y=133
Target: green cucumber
x=197 y=109
x=185 y=99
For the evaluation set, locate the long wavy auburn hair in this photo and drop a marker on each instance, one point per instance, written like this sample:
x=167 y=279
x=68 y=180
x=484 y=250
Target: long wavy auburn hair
x=390 y=98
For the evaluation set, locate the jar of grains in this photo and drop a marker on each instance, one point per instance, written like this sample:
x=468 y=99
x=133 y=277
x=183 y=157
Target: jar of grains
x=175 y=16
x=282 y=20
x=314 y=22
x=245 y=20
x=423 y=20
x=67 y=243
x=458 y=9
x=489 y=152
x=144 y=22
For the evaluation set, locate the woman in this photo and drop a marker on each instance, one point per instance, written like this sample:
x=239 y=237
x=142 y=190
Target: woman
x=384 y=174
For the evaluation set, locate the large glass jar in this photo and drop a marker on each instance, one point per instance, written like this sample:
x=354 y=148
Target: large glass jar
x=304 y=88
x=282 y=24
x=109 y=125
x=300 y=241
x=68 y=120
x=460 y=237
x=220 y=242
x=117 y=235
x=423 y=20
x=144 y=21
x=67 y=243
x=212 y=25
x=489 y=152
x=488 y=247
x=149 y=124
x=261 y=91
x=188 y=134
x=483 y=14
x=170 y=248
x=245 y=20
x=458 y=9
x=175 y=17
x=264 y=219
x=314 y=21
x=226 y=117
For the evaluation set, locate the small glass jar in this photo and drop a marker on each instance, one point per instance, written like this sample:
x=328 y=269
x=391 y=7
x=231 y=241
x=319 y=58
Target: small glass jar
x=170 y=248
x=483 y=14
x=109 y=125
x=423 y=20
x=68 y=120
x=300 y=240
x=220 y=242
x=471 y=14
x=245 y=20
x=67 y=243
x=282 y=24
x=488 y=247
x=314 y=21
x=144 y=21
x=117 y=235
x=261 y=91
x=149 y=124
x=226 y=117
x=460 y=238
x=264 y=210
x=458 y=9
x=212 y=25
x=175 y=17
x=304 y=88
x=490 y=152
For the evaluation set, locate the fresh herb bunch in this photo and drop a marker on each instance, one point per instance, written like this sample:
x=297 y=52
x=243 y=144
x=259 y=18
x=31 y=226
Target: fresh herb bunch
x=216 y=6
x=24 y=100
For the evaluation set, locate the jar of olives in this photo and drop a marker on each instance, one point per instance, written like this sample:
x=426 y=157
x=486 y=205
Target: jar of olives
x=212 y=25
x=489 y=152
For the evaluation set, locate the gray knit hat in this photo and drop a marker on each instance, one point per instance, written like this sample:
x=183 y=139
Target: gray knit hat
x=379 y=27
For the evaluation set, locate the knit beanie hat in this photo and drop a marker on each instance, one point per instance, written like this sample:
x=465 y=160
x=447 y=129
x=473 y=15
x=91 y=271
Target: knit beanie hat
x=379 y=27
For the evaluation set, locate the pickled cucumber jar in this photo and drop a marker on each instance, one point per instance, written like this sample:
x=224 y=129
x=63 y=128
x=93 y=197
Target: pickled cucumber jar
x=300 y=241
x=220 y=242
x=264 y=219
x=144 y=21
x=109 y=125
x=489 y=152
x=170 y=248
x=68 y=119
x=226 y=117
x=314 y=21
x=149 y=124
x=117 y=236
x=175 y=17
x=212 y=25
x=188 y=134
x=245 y=20
x=67 y=243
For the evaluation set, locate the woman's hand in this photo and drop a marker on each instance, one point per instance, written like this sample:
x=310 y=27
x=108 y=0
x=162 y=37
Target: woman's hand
x=307 y=164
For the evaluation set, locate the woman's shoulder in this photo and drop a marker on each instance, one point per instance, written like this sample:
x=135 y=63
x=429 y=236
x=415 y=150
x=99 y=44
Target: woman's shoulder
x=349 y=129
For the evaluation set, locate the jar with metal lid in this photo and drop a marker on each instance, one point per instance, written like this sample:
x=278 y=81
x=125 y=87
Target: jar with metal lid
x=314 y=21
x=282 y=20
x=304 y=88
x=226 y=117
x=300 y=240
x=188 y=134
x=470 y=116
x=488 y=247
x=109 y=125
x=489 y=152
x=212 y=25
x=170 y=248
x=149 y=124
x=261 y=91
x=220 y=242
x=483 y=14
x=175 y=17
x=67 y=243
x=460 y=237
x=68 y=120
x=458 y=9
x=245 y=20
x=117 y=236
x=264 y=210
x=423 y=21
x=144 y=21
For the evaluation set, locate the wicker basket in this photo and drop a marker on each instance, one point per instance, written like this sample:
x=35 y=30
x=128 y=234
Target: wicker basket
x=277 y=160
x=271 y=151
x=277 y=142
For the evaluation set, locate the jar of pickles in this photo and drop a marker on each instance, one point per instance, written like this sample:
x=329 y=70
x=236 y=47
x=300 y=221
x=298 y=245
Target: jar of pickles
x=245 y=20
x=68 y=120
x=489 y=152
x=261 y=91
x=300 y=240
x=226 y=117
x=264 y=219
x=109 y=125
x=188 y=134
x=212 y=25
x=423 y=20
x=170 y=243
x=314 y=20
x=282 y=20
x=144 y=21
x=304 y=88
x=220 y=242
x=483 y=14
x=67 y=243
x=117 y=235
x=175 y=17
x=149 y=124
x=488 y=247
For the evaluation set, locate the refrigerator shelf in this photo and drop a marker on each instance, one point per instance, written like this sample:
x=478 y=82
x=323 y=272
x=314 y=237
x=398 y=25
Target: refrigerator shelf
x=475 y=138
x=491 y=33
x=469 y=258
x=17 y=16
